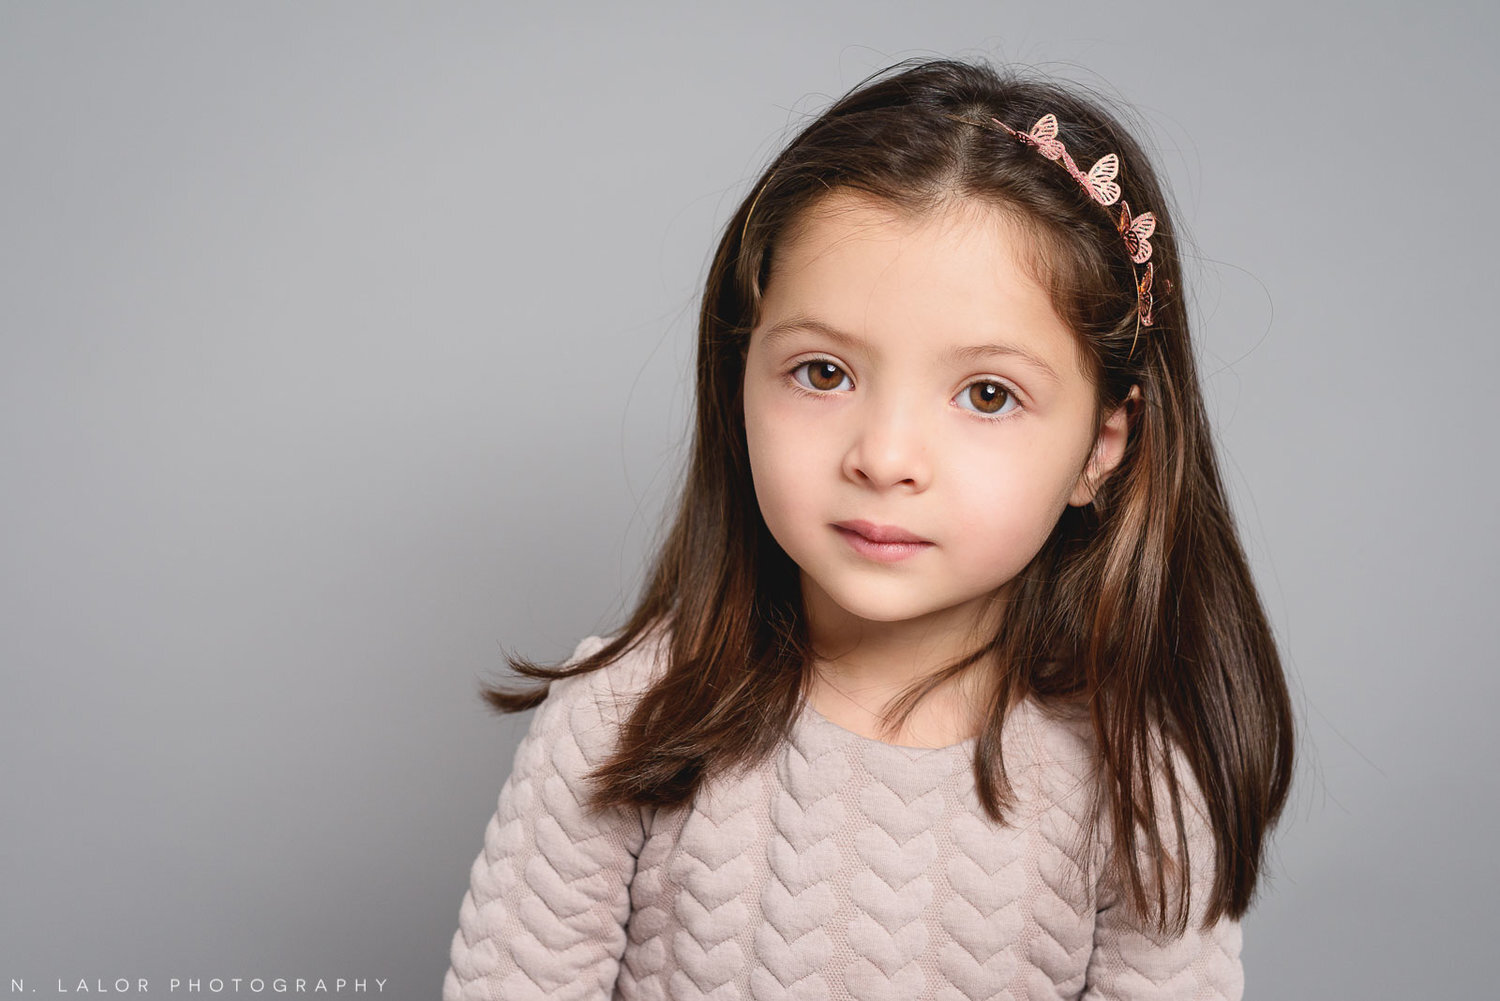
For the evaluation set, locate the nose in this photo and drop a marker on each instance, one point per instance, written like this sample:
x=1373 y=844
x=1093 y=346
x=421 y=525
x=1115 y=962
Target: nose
x=889 y=446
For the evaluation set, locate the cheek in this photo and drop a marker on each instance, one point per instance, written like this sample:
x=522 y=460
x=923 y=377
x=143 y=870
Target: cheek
x=1011 y=500
x=760 y=435
x=778 y=458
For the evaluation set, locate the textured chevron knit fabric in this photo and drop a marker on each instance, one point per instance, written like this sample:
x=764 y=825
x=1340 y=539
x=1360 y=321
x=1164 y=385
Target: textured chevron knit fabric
x=842 y=867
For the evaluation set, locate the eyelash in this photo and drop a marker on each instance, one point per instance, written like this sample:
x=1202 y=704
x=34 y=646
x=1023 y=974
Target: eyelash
x=1010 y=392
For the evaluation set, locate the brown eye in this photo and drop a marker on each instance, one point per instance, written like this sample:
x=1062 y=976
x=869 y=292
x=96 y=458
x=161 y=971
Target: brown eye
x=991 y=399
x=821 y=375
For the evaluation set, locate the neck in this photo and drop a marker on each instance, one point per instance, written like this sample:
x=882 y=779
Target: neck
x=861 y=665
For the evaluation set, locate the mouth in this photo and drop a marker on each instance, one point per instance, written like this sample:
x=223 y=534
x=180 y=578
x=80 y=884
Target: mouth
x=881 y=543
x=879 y=533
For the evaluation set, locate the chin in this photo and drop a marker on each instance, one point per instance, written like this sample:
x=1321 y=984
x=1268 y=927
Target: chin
x=872 y=606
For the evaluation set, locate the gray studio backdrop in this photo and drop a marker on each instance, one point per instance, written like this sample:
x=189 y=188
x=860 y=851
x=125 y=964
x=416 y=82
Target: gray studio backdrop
x=344 y=347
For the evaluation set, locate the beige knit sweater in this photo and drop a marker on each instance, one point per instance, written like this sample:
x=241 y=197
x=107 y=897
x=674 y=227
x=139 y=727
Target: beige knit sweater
x=841 y=867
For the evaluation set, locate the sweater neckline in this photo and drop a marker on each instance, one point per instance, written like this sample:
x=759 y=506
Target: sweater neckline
x=816 y=721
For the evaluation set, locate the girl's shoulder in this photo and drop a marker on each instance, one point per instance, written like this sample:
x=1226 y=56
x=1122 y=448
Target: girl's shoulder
x=1064 y=749
x=1051 y=737
x=591 y=706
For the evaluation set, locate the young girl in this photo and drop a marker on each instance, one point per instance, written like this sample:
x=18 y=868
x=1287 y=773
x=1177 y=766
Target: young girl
x=950 y=680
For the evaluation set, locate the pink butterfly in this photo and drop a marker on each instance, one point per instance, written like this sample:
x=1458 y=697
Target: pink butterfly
x=1099 y=182
x=1147 y=302
x=1043 y=136
x=1137 y=232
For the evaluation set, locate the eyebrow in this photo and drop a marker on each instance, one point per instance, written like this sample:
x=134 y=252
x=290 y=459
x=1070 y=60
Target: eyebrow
x=968 y=353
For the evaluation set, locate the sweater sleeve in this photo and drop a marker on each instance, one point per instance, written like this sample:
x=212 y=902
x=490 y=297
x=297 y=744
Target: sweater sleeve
x=549 y=894
x=1132 y=962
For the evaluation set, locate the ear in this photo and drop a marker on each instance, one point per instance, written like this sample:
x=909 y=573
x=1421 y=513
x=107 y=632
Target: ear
x=1109 y=449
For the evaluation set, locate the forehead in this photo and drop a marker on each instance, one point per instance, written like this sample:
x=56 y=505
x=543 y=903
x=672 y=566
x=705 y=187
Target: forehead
x=958 y=275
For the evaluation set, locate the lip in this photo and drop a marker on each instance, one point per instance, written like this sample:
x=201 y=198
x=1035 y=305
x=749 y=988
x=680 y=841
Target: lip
x=879 y=533
x=885 y=543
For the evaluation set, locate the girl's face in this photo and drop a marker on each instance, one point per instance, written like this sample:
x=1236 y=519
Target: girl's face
x=908 y=375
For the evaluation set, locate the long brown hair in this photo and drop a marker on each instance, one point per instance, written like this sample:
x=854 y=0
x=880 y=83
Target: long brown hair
x=1139 y=607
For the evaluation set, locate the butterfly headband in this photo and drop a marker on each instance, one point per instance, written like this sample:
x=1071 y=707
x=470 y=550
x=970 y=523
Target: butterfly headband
x=1100 y=185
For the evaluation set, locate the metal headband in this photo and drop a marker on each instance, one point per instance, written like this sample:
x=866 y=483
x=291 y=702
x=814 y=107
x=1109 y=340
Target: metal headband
x=1100 y=185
